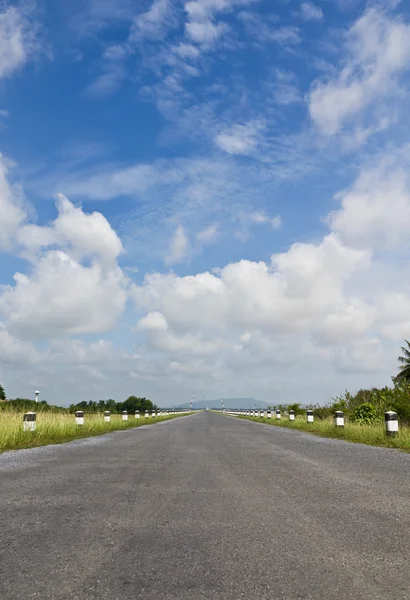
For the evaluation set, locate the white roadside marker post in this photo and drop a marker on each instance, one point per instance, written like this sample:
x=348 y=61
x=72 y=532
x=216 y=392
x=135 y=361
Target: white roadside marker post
x=29 y=421
x=392 y=423
x=269 y=414
x=262 y=414
x=124 y=415
x=278 y=415
x=79 y=417
x=137 y=414
x=339 y=418
x=107 y=416
x=309 y=416
x=291 y=415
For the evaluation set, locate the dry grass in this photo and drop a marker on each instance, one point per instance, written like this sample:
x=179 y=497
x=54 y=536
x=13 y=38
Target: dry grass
x=54 y=428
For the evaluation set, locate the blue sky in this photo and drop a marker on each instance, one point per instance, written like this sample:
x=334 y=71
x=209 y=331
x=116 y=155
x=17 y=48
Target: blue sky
x=205 y=197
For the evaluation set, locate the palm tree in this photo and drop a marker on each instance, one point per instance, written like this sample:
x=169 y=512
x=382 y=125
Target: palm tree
x=404 y=369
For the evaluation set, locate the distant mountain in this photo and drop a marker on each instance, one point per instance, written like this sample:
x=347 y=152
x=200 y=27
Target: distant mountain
x=228 y=403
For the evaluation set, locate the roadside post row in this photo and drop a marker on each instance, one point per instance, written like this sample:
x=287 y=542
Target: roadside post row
x=30 y=418
x=390 y=417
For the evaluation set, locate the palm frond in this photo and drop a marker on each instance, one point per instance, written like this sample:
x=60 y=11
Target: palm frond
x=406 y=352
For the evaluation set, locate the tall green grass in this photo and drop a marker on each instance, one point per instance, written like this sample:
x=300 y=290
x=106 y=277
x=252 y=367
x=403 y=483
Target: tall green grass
x=373 y=435
x=53 y=428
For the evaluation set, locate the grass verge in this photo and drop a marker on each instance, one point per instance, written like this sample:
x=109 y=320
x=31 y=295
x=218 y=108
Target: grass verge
x=372 y=435
x=55 y=428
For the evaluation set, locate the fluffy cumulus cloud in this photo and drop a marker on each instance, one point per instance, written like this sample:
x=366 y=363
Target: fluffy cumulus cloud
x=84 y=235
x=63 y=296
x=376 y=209
x=333 y=303
x=377 y=49
x=74 y=284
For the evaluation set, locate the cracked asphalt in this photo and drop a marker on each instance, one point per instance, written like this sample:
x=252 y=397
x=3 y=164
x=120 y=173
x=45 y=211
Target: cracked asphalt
x=205 y=506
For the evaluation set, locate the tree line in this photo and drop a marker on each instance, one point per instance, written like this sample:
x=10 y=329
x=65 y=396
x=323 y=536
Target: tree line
x=131 y=404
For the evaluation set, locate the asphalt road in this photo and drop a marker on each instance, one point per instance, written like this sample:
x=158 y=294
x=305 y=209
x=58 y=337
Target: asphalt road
x=205 y=506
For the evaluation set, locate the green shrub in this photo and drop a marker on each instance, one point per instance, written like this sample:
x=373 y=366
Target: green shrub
x=322 y=412
x=365 y=414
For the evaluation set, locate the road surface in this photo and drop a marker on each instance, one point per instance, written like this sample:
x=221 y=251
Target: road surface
x=205 y=506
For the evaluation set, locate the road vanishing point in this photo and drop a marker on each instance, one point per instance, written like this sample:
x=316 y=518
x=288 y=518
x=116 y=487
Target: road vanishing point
x=205 y=506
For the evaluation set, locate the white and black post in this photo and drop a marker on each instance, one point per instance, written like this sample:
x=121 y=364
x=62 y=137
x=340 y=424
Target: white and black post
x=124 y=415
x=278 y=415
x=309 y=416
x=392 y=423
x=262 y=414
x=269 y=414
x=79 y=417
x=137 y=414
x=29 y=421
x=339 y=418
x=291 y=415
x=107 y=416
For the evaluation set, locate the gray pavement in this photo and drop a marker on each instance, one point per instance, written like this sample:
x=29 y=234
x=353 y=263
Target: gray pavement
x=205 y=506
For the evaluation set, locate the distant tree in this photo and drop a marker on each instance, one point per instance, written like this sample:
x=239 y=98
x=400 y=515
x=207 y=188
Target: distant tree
x=404 y=369
x=133 y=403
x=2 y=393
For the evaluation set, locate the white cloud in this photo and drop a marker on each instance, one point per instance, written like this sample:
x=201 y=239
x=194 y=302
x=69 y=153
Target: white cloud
x=333 y=300
x=12 y=210
x=206 y=33
x=311 y=12
x=298 y=288
x=378 y=51
x=82 y=235
x=284 y=89
x=155 y=22
x=18 y=40
x=154 y=324
x=108 y=82
x=255 y=218
x=376 y=209
x=186 y=51
x=200 y=25
x=63 y=297
x=207 y=235
x=178 y=247
x=17 y=353
x=286 y=35
x=266 y=29
x=259 y=218
x=60 y=295
x=240 y=139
